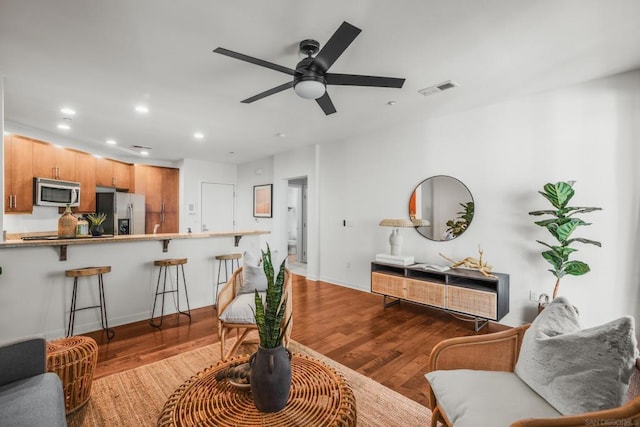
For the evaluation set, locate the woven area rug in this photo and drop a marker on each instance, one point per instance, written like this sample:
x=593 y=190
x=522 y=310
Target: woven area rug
x=136 y=397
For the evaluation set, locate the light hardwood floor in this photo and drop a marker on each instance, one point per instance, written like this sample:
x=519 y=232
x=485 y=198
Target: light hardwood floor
x=390 y=345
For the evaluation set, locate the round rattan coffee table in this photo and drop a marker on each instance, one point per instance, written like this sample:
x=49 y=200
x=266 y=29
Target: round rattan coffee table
x=319 y=396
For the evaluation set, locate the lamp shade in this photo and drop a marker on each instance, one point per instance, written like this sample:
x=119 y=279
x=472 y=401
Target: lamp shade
x=309 y=89
x=397 y=223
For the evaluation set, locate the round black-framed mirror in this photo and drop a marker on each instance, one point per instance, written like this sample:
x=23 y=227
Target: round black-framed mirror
x=441 y=207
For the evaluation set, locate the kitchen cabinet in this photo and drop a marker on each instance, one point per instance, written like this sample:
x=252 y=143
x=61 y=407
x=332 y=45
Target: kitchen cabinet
x=86 y=176
x=18 y=176
x=160 y=187
x=50 y=161
x=114 y=174
x=461 y=291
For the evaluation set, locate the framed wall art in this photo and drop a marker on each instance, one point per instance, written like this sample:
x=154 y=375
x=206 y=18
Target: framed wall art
x=262 y=200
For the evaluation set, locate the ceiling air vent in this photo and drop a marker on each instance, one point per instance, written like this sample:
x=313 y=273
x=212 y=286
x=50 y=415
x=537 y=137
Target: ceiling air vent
x=449 y=84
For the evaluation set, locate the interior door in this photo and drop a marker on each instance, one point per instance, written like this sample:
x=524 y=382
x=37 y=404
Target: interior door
x=218 y=207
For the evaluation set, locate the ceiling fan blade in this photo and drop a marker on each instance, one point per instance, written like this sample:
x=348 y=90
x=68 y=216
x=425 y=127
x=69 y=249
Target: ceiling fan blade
x=268 y=92
x=358 y=80
x=338 y=43
x=325 y=103
x=255 y=61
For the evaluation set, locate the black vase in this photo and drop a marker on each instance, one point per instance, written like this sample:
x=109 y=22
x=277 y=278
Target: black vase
x=270 y=378
x=97 y=230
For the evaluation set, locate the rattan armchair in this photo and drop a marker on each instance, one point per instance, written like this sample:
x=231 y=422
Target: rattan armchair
x=499 y=352
x=227 y=295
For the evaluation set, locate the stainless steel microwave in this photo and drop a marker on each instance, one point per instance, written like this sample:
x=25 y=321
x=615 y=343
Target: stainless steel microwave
x=54 y=192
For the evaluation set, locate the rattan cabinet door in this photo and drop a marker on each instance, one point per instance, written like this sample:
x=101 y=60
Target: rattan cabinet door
x=471 y=301
x=425 y=292
x=387 y=284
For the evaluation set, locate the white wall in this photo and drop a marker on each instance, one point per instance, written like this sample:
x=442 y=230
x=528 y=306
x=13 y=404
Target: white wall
x=192 y=174
x=504 y=153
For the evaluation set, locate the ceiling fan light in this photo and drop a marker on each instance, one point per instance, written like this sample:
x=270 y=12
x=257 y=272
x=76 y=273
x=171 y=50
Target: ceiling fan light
x=309 y=89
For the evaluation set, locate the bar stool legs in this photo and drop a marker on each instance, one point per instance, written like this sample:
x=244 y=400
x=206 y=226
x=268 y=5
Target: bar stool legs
x=85 y=272
x=164 y=265
x=226 y=258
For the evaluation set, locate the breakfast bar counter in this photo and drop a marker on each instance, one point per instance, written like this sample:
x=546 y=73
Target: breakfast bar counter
x=164 y=238
x=35 y=294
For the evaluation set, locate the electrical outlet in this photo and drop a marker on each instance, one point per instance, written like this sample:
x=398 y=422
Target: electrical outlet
x=533 y=295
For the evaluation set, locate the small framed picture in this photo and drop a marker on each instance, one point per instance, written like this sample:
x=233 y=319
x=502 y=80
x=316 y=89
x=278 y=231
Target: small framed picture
x=262 y=200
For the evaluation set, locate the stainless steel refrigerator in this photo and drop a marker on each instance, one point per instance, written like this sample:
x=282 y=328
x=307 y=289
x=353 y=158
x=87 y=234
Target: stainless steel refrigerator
x=125 y=212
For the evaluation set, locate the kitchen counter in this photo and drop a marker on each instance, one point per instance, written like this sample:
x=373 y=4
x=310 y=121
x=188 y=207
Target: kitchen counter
x=35 y=294
x=165 y=238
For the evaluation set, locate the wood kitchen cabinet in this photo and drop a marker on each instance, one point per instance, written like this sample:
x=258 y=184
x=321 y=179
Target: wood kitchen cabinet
x=160 y=187
x=50 y=161
x=86 y=176
x=114 y=174
x=18 y=176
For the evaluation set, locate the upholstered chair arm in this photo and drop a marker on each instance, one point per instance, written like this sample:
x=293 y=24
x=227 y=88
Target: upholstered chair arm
x=491 y=352
x=625 y=415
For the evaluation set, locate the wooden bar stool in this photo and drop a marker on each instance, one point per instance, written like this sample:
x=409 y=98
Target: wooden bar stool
x=226 y=259
x=87 y=272
x=164 y=264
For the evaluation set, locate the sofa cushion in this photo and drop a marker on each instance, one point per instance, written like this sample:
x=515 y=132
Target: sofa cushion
x=486 y=398
x=577 y=370
x=33 y=401
x=241 y=309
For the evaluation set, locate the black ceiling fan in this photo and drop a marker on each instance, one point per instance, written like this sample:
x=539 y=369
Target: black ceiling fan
x=311 y=75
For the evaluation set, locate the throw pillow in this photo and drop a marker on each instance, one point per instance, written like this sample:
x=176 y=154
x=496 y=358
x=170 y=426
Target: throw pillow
x=253 y=278
x=251 y=259
x=577 y=370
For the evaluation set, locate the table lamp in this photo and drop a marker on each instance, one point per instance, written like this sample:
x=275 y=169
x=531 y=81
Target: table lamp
x=395 y=239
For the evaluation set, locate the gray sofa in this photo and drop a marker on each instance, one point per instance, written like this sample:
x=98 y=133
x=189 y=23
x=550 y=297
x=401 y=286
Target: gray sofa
x=29 y=396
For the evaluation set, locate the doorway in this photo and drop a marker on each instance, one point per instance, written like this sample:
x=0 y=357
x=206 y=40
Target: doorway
x=297 y=225
x=218 y=207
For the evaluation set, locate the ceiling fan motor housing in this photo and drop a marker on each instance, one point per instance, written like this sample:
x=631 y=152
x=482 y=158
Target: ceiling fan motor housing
x=306 y=74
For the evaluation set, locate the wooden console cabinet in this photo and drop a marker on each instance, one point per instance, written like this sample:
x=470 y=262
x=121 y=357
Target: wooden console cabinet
x=461 y=291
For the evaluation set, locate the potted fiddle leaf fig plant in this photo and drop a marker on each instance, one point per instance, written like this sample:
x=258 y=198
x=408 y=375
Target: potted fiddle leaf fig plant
x=561 y=225
x=270 y=375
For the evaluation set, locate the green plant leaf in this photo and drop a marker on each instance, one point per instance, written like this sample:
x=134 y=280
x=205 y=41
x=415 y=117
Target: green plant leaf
x=576 y=268
x=565 y=230
x=558 y=194
x=543 y=212
x=553 y=259
x=579 y=210
x=587 y=241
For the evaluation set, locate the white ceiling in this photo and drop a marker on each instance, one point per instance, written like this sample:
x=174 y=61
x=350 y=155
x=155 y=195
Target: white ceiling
x=103 y=57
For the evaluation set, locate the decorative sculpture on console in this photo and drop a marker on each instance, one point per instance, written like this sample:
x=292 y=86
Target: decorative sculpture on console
x=472 y=263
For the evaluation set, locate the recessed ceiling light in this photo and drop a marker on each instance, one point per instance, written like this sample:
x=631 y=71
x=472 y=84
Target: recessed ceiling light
x=64 y=126
x=68 y=111
x=142 y=109
x=232 y=152
x=198 y=135
x=391 y=103
x=144 y=153
x=111 y=142
x=281 y=134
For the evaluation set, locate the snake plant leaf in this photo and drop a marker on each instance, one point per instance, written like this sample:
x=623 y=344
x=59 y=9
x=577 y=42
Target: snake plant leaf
x=576 y=268
x=269 y=314
x=558 y=194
